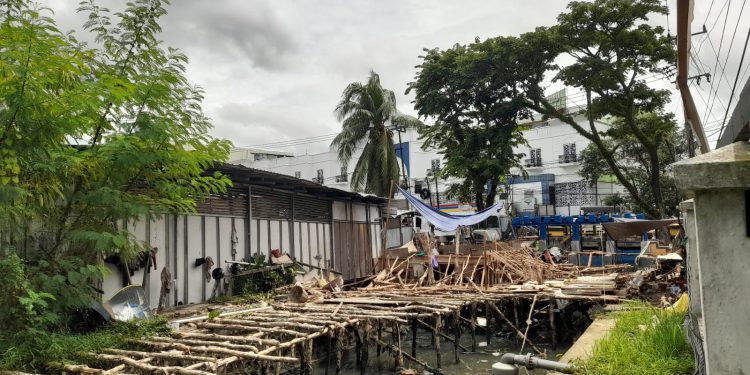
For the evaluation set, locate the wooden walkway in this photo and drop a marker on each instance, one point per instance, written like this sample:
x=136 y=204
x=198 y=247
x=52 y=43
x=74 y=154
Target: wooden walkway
x=274 y=339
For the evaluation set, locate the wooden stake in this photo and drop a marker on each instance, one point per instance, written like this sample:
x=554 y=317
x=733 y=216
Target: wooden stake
x=338 y=345
x=488 y=321
x=365 y=347
x=438 y=327
x=414 y=338
x=552 y=327
x=528 y=325
x=413 y=359
x=473 y=326
x=518 y=331
x=515 y=313
x=443 y=335
x=457 y=333
x=397 y=340
x=329 y=355
x=380 y=337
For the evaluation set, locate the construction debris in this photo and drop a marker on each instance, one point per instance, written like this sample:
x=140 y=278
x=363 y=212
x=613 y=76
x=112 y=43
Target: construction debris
x=408 y=292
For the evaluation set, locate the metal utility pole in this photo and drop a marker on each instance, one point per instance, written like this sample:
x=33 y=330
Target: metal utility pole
x=684 y=20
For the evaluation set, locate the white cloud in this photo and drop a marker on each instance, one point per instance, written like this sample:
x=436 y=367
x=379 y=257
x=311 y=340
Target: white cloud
x=274 y=70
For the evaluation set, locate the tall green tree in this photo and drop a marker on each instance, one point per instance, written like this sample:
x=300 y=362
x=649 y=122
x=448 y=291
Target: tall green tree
x=369 y=116
x=614 y=50
x=633 y=160
x=93 y=137
x=476 y=98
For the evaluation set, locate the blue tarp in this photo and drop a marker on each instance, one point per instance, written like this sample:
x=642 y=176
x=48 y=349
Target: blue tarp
x=447 y=222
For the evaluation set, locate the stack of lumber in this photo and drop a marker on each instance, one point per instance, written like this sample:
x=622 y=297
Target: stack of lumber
x=591 y=285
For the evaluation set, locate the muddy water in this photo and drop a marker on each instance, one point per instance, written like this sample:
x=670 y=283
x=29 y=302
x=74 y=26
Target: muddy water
x=471 y=363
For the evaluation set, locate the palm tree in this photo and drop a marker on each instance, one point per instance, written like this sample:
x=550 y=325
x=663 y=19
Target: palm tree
x=369 y=117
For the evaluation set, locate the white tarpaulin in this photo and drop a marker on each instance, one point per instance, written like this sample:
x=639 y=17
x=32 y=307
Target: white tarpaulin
x=447 y=222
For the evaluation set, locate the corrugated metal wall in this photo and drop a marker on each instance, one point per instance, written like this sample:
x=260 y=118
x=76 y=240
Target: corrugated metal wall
x=306 y=227
x=181 y=239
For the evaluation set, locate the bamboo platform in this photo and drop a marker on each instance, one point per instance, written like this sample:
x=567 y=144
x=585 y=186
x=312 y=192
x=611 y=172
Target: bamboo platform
x=283 y=336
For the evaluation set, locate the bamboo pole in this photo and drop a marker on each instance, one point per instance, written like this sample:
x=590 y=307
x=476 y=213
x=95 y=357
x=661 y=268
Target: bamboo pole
x=473 y=326
x=365 y=348
x=397 y=340
x=414 y=338
x=518 y=331
x=457 y=334
x=528 y=325
x=441 y=334
x=488 y=321
x=411 y=358
x=438 y=327
x=552 y=327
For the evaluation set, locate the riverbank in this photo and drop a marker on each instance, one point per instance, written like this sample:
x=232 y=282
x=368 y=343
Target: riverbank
x=643 y=341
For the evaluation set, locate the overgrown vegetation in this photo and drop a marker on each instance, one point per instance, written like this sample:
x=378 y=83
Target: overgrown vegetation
x=40 y=351
x=644 y=341
x=92 y=136
x=261 y=283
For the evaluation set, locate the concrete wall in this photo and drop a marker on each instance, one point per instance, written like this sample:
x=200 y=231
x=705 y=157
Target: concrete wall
x=718 y=243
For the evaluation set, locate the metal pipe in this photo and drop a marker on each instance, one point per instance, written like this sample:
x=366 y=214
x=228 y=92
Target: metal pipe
x=531 y=362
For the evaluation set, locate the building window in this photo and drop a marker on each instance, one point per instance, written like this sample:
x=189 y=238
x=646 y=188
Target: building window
x=343 y=176
x=435 y=164
x=319 y=178
x=297 y=174
x=535 y=158
x=569 y=153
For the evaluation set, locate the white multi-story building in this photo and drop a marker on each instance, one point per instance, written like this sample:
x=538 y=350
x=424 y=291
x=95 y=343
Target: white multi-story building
x=552 y=184
x=251 y=154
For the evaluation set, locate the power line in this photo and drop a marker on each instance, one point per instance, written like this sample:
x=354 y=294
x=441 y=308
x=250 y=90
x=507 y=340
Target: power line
x=700 y=45
x=718 y=59
x=734 y=86
x=297 y=141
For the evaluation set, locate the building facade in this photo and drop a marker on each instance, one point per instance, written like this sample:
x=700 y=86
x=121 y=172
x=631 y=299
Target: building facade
x=327 y=228
x=552 y=184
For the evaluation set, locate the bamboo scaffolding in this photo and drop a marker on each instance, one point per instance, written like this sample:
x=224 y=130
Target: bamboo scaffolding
x=274 y=340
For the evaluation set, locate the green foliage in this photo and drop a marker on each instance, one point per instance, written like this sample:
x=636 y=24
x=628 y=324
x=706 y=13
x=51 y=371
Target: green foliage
x=369 y=116
x=259 y=284
x=632 y=158
x=213 y=314
x=93 y=137
x=37 y=350
x=614 y=200
x=476 y=94
x=22 y=306
x=644 y=341
x=614 y=48
x=264 y=282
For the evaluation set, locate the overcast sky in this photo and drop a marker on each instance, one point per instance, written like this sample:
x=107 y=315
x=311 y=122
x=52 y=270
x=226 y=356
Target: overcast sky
x=274 y=70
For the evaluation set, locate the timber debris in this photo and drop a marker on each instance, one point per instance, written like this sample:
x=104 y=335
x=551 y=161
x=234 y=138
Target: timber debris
x=409 y=294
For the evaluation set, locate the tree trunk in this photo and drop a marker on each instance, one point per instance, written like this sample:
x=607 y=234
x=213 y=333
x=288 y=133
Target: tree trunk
x=479 y=199
x=492 y=193
x=655 y=181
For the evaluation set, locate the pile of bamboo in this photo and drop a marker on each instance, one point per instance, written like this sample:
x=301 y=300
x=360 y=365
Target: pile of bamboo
x=518 y=266
x=271 y=339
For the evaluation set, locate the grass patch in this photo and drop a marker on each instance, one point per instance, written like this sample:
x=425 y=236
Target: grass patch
x=644 y=341
x=38 y=351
